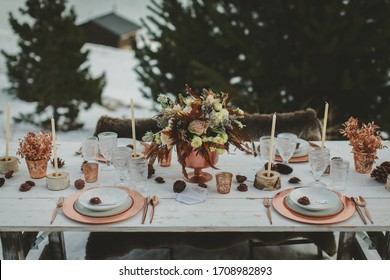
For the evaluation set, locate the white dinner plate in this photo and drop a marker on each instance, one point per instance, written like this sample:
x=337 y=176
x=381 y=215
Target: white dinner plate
x=321 y=213
x=115 y=211
x=110 y=197
x=320 y=198
x=303 y=148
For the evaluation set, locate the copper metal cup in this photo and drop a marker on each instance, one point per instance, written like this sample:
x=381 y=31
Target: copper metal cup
x=91 y=172
x=224 y=182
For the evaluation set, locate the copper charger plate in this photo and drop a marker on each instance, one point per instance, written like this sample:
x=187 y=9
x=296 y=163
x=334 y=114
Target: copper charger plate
x=101 y=158
x=294 y=159
x=279 y=204
x=71 y=213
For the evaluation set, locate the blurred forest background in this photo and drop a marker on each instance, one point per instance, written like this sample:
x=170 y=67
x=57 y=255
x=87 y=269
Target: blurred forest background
x=280 y=55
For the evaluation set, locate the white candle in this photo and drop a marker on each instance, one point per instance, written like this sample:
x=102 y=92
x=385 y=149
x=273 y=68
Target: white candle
x=53 y=135
x=324 y=125
x=7 y=131
x=133 y=129
x=271 y=151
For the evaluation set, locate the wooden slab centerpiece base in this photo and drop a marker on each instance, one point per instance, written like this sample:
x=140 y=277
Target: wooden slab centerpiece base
x=265 y=183
x=11 y=163
x=57 y=182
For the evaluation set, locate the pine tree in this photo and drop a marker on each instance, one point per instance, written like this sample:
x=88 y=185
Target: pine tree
x=279 y=55
x=51 y=67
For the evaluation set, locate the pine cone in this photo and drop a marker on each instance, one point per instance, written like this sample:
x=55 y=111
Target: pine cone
x=9 y=174
x=2 y=181
x=25 y=187
x=279 y=167
x=179 y=186
x=241 y=178
x=242 y=187
x=160 y=180
x=60 y=162
x=79 y=184
x=31 y=183
x=202 y=185
x=294 y=180
x=380 y=172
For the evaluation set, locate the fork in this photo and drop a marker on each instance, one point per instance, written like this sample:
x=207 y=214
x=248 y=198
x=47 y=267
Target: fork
x=267 y=205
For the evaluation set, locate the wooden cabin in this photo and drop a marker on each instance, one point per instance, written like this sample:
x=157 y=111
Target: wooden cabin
x=110 y=30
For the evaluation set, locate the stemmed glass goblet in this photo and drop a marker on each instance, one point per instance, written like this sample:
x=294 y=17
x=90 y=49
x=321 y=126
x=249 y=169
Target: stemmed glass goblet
x=121 y=157
x=319 y=160
x=286 y=144
x=107 y=142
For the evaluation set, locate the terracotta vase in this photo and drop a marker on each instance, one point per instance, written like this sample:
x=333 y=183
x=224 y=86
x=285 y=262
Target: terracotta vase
x=363 y=161
x=37 y=168
x=198 y=162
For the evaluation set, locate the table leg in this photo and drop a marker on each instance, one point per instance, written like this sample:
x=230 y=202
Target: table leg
x=12 y=243
x=386 y=255
x=345 y=247
x=57 y=245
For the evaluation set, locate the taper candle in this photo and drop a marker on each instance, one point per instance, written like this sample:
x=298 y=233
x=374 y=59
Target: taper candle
x=7 y=124
x=133 y=129
x=54 y=141
x=272 y=145
x=324 y=124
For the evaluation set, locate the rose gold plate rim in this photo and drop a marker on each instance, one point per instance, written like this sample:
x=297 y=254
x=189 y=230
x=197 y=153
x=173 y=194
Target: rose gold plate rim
x=101 y=158
x=71 y=213
x=294 y=159
x=279 y=205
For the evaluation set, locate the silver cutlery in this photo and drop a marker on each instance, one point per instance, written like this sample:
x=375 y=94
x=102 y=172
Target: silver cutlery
x=60 y=202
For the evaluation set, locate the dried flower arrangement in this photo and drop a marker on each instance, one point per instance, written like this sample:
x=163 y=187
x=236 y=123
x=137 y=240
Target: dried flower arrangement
x=36 y=146
x=196 y=122
x=365 y=139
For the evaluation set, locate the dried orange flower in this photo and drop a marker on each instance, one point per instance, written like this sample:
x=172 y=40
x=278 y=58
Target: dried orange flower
x=363 y=140
x=36 y=146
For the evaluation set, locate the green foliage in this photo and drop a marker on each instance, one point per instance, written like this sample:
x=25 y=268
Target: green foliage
x=279 y=55
x=50 y=68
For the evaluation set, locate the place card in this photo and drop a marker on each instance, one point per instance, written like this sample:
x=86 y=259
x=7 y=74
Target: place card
x=192 y=195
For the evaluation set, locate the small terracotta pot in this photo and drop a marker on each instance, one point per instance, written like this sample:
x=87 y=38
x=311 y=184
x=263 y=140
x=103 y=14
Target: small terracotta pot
x=10 y=164
x=363 y=162
x=37 y=168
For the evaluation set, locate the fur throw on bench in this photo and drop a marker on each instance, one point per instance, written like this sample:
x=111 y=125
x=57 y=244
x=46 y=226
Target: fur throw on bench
x=303 y=123
x=108 y=245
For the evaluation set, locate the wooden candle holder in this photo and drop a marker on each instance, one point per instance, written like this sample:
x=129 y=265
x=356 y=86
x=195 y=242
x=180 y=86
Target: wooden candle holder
x=11 y=164
x=265 y=183
x=58 y=182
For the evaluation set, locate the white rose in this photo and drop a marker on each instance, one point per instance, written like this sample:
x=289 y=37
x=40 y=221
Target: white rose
x=196 y=142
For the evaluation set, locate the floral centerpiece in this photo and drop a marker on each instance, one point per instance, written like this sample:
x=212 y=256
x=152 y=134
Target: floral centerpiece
x=202 y=123
x=36 y=149
x=365 y=142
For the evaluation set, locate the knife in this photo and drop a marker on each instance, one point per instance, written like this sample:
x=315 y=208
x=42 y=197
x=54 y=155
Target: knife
x=359 y=211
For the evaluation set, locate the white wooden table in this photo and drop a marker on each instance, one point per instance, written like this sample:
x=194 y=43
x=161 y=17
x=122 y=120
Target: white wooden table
x=237 y=211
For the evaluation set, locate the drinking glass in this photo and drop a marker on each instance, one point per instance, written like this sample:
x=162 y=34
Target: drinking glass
x=121 y=157
x=286 y=144
x=339 y=169
x=90 y=148
x=319 y=160
x=265 y=147
x=139 y=173
x=107 y=142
